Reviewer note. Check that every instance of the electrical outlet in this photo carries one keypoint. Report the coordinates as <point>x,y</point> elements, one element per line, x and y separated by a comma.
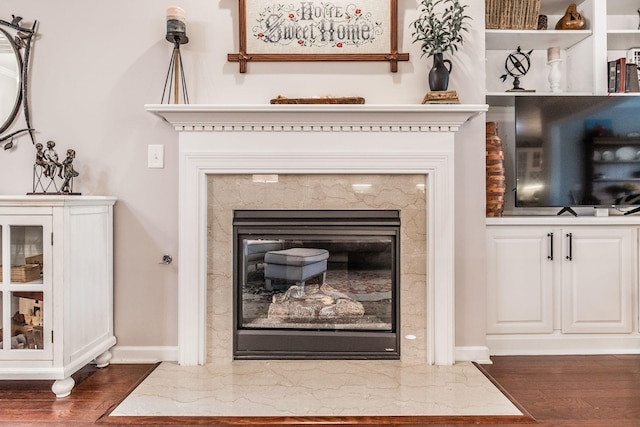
<point>155,156</point>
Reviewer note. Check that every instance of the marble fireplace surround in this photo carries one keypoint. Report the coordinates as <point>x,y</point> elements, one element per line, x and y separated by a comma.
<point>311,140</point>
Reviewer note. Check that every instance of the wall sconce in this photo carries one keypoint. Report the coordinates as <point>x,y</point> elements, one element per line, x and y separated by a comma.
<point>176,34</point>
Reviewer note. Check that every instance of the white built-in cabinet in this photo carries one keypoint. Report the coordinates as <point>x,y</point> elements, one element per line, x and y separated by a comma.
<point>562,285</point>
<point>612,29</point>
<point>599,279</point>
<point>520,280</point>
<point>56,286</point>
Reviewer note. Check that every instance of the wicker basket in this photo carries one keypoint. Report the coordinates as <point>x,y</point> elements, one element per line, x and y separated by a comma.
<point>512,14</point>
<point>23,273</point>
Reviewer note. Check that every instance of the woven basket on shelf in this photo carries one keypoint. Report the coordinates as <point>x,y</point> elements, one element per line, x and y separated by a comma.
<point>512,14</point>
<point>23,273</point>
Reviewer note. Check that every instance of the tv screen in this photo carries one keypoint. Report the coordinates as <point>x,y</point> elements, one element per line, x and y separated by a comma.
<point>577,151</point>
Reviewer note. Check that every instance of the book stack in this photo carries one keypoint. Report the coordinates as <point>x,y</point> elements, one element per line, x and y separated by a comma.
<point>441,97</point>
<point>623,76</point>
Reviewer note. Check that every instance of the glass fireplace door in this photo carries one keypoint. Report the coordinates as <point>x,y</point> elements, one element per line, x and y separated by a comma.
<point>325,286</point>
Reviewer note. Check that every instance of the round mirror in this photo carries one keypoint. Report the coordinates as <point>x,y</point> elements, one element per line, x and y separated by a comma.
<point>10,80</point>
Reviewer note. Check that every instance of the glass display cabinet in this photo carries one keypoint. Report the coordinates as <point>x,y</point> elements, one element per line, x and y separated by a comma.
<point>24,287</point>
<point>56,286</point>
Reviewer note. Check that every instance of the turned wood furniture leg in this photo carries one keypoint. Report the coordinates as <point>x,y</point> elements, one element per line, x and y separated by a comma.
<point>62,388</point>
<point>103,360</point>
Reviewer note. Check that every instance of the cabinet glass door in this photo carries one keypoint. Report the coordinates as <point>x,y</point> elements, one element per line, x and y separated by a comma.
<point>25,288</point>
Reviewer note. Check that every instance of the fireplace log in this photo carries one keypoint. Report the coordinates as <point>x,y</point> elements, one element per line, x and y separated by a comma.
<point>317,302</point>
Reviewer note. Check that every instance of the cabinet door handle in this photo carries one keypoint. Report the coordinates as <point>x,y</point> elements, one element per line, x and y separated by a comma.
<point>550,256</point>
<point>570,237</point>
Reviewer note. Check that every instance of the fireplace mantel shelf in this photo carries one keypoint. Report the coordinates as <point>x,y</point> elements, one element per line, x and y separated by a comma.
<point>196,117</point>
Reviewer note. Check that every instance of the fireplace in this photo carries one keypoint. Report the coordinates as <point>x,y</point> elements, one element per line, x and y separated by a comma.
<point>220,144</point>
<point>316,284</point>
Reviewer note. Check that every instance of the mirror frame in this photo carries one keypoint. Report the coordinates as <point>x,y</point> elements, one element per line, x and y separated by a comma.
<point>14,111</point>
<point>20,39</point>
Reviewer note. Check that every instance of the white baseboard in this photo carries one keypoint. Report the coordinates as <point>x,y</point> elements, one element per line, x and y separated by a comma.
<point>478,354</point>
<point>144,354</point>
<point>563,344</point>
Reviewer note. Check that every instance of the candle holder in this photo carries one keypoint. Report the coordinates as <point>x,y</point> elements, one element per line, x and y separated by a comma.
<point>554,60</point>
<point>555,75</point>
<point>176,34</point>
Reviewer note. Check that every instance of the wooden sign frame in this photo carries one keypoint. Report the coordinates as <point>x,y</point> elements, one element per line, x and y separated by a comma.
<point>340,30</point>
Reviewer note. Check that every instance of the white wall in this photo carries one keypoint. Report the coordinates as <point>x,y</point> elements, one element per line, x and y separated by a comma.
<point>96,63</point>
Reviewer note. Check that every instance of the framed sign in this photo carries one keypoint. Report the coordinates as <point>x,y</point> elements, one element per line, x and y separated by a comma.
<point>339,30</point>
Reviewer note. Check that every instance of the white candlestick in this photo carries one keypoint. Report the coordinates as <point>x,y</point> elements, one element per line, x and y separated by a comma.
<point>555,75</point>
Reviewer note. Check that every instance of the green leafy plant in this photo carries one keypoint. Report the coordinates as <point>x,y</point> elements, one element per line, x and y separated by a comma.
<point>440,26</point>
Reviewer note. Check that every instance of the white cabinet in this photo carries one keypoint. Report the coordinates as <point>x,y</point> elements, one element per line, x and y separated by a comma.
<point>561,289</point>
<point>612,29</point>
<point>598,279</point>
<point>56,286</point>
<point>520,280</point>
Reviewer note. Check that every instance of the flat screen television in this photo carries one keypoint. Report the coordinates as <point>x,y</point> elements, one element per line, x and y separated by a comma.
<point>576,151</point>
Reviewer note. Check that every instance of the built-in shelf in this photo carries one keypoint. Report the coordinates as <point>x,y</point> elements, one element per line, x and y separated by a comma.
<point>507,99</point>
<point>533,39</point>
<point>623,39</point>
<point>612,28</point>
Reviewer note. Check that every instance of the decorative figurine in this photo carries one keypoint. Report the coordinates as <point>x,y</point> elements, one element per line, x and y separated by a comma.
<point>39,155</point>
<point>51,160</point>
<point>517,65</point>
<point>572,19</point>
<point>47,170</point>
<point>68,172</point>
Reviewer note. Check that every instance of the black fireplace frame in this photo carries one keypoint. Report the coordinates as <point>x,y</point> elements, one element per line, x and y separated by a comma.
<point>308,343</point>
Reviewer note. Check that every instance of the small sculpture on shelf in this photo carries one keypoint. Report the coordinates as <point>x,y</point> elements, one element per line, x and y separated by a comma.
<point>68,172</point>
<point>517,65</point>
<point>48,171</point>
<point>50,159</point>
<point>572,19</point>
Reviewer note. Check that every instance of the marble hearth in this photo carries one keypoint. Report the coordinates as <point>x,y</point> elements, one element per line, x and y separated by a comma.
<point>321,150</point>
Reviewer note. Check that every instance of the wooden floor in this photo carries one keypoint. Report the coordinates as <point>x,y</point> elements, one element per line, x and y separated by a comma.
<point>555,390</point>
<point>573,390</point>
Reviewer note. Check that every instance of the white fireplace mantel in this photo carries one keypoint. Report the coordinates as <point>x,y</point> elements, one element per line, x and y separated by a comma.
<point>434,117</point>
<point>312,139</point>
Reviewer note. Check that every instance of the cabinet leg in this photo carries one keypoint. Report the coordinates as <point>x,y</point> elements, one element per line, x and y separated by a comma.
<point>62,388</point>
<point>103,360</point>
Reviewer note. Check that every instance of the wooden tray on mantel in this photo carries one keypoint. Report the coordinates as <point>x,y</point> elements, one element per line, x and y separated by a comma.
<point>323,100</point>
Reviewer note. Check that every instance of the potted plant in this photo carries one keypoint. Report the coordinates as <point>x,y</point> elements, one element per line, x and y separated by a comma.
<point>439,28</point>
